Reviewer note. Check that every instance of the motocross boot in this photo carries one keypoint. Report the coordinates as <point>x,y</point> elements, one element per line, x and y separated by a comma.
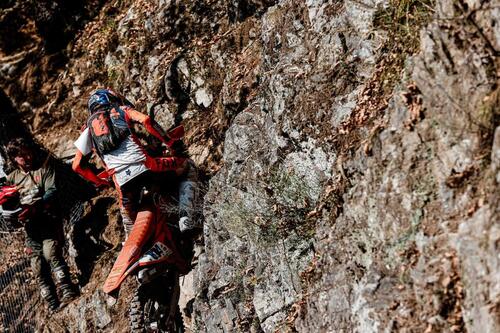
<point>64,284</point>
<point>49,295</point>
<point>188,190</point>
<point>186,224</point>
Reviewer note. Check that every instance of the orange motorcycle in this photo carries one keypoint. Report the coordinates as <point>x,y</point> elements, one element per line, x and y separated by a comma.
<point>156,255</point>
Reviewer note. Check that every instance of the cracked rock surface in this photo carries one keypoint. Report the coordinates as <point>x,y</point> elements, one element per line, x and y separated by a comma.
<point>350,151</point>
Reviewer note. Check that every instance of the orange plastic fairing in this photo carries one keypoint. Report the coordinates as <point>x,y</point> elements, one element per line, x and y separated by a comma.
<point>131,250</point>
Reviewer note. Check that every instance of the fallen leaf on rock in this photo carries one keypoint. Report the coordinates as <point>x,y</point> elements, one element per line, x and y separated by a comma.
<point>446,281</point>
<point>312,213</point>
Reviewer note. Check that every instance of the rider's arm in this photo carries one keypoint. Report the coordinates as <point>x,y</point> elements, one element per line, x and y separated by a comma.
<point>83,151</point>
<point>149,124</point>
<point>85,172</point>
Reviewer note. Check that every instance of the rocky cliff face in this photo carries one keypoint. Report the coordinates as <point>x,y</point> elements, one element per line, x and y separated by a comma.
<point>352,147</point>
<point>348,203</point>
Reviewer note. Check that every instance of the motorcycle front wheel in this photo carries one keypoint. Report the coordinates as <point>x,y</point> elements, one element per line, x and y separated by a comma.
<point>154,307</point>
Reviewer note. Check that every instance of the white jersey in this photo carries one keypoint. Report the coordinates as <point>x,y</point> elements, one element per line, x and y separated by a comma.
<point>126,161</point>
<point>2,173</point>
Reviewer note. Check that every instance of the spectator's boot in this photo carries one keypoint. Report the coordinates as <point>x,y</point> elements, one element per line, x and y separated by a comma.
<point>49,295</point>
<point>64,284</point>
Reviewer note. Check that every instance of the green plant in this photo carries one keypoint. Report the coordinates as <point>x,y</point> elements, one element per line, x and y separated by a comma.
<point>268,216</point>
<point>112,74</point>
<point>110,25</point>
<point>292,198</point>
<point>237,217</point>
<point>290,189</point>
<point>402,20</point>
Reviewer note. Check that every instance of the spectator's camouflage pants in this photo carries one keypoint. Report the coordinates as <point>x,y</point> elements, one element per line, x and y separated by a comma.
<point>43,242</point>
<point>48,251</point>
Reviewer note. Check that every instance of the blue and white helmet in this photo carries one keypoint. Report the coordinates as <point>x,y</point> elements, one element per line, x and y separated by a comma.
<point>101,98</point>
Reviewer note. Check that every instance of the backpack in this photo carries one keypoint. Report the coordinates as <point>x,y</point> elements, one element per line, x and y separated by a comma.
<point>108,128</point>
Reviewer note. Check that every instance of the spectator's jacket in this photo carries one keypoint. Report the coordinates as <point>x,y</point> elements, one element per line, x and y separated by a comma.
<point>35,185</point>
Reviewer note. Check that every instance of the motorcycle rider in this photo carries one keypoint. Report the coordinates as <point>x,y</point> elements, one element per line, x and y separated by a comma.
<point>34,178</point>
<point>108,132</point>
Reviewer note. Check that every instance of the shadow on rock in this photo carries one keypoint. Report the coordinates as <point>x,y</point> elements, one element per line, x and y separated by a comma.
<point>87,237</point>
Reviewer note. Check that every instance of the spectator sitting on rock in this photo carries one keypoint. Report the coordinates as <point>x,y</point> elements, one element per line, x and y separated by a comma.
<point>34,178</point>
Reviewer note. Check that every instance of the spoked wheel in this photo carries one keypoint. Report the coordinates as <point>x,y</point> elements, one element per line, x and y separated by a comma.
<point>154,307</point>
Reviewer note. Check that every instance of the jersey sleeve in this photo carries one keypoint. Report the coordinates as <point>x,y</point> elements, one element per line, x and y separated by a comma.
<point>84,142</point>
<point>150,125</point>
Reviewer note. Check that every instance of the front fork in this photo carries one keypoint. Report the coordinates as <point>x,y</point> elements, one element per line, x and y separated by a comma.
<point>150,273</point>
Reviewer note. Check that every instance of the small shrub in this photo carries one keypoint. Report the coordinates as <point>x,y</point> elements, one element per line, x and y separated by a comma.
<point>402,20</point>
<point>270,215</point>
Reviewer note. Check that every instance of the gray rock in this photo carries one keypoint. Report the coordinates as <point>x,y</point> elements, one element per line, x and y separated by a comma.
<point>102,316</point>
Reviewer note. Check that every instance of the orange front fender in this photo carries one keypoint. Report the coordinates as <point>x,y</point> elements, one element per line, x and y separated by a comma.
<point>131,251</point>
